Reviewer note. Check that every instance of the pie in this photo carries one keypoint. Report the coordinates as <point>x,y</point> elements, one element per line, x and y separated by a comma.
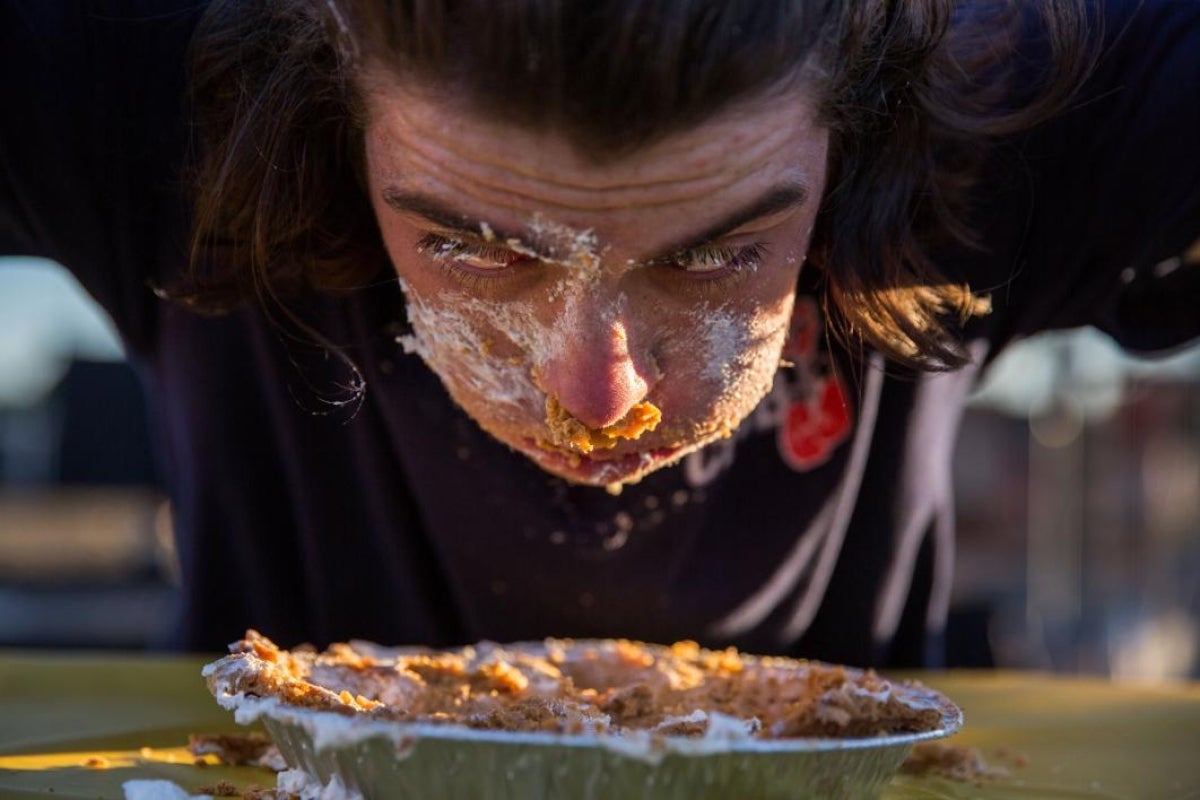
<point>568,687</point>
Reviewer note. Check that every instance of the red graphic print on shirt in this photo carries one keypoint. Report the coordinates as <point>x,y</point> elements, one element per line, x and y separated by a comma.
<point>814,427</point>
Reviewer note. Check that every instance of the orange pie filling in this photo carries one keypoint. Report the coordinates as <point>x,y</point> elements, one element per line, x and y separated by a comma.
<point>569,433</point>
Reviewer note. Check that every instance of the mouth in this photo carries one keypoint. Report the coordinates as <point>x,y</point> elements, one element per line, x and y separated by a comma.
<point>600,468</point>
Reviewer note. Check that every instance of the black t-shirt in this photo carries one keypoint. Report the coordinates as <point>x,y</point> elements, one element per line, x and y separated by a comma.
<point>823,528</point>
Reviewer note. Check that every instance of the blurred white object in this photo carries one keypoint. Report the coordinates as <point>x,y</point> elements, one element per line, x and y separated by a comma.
<point>1032,377</point>
<point>157,790</point>
<point>46,320</point>
<point>1159,648</point>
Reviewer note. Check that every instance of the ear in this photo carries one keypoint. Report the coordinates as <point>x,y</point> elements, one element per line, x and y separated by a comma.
<point>806,331</point>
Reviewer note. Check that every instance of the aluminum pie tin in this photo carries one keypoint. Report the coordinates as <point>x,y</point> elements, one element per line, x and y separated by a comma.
<point>394,760</point>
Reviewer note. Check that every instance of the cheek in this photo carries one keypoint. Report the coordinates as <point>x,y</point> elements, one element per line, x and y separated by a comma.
<point>723,361</point>
<point>478,353</point>
<point>475,348</point>
<point>487,351</point>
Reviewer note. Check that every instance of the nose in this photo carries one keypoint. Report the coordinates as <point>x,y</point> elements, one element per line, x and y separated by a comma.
<point>596,376</point>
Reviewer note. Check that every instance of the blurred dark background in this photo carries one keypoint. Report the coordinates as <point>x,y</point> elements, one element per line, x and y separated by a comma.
<point>1078,479</point>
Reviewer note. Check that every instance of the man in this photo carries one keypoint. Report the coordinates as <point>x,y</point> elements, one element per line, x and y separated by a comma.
<point>477,262</point>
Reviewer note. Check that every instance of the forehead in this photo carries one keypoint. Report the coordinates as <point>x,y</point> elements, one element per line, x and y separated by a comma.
<point>435,143</point>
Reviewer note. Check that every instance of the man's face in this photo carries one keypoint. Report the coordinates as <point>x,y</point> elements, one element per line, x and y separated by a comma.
<point>530,272</point>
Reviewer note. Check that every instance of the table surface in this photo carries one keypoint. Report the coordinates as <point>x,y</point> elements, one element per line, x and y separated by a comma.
<point>1081,739</point>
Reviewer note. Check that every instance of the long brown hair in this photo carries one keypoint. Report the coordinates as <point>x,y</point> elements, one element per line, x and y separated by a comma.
<point>912,91</point>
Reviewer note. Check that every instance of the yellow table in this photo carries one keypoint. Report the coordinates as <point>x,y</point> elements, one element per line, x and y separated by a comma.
<point>1084,739</point>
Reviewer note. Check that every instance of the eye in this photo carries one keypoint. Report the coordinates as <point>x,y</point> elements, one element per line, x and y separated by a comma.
<point>477,256</point>
<point>715,262</point>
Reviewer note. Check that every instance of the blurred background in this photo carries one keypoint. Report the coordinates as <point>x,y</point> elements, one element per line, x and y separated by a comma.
<point>1078,479</point>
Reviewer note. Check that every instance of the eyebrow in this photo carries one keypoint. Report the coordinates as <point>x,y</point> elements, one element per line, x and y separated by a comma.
<point>773,201</point>
<point>453,221</point>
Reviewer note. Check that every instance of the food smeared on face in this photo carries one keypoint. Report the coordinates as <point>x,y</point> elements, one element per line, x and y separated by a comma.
<point>566,431</point>
<point>602,318</point>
